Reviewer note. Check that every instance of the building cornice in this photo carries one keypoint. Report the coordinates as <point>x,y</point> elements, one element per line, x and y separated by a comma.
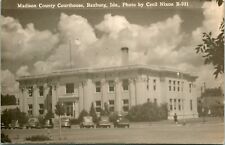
<point>91,70</point>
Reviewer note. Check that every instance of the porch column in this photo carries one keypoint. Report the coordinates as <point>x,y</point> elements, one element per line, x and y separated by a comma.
<point>132,92</point>
<point>118,95</point>
<point>81,96</point>
<point>35,104</point>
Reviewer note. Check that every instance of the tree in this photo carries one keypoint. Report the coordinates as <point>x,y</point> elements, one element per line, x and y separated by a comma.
<point>93,113</point>
<point>8,100</point>
<point>59,109</point>
<point>212,49</point>
<point>13,114</point>
<point>82,114</point>
<point>105,111</point>
<point>49,115</point>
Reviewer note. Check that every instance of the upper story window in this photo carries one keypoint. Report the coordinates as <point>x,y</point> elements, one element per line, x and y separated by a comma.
<point>70,88</point>
<point>41,91</point>
<point>30,91</point>
<point>190,87</point>
<point>50,91</point>
<point>154,84</point>
<point>111,102</point>
<point>169,85</point>
<point>111,86</point>
<point>125,85</point>
<point>98,86</point>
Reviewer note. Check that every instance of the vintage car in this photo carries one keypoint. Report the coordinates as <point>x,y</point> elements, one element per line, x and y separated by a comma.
<point>121,122</point>
<point>103,122</point>
<point>48,124</point>
<point>33,123</point>
<point>15,125</point>
<point>87,122</point>
<point>65,122</point>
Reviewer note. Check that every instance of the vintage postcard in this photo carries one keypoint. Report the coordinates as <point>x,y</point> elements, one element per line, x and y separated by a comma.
<point>112,71</point>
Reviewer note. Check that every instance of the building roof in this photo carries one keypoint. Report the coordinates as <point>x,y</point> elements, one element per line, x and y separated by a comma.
<point>91,70</point>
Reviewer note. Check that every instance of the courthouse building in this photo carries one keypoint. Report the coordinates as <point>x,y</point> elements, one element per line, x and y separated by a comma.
<point>121,87</point>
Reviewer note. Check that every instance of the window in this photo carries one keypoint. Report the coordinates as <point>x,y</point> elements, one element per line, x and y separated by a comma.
<point>171,104</point>
<point>69,88</point>
<point>30,91</point>
<point>125,108</point>
<point>148,100</point>
<point>41,91</point>
<point>125,101</point>
<point>175,104</point>
<point>125,105</point>
<point>169,85</point>
<point>190,87</point>
<point>179,106</point>
<point>111,102</point>
<point>50,91</point>
<point>154,84</point>
<point>41,109</point>
<point>155,101</point>
<point>111,86</point>
<point>98,86</point>
<point>147,85</point>
<point>111,105</point>
<point>191,105</point>
<point>98,106</point>
<point>125,85</point>
<point>30,109</point>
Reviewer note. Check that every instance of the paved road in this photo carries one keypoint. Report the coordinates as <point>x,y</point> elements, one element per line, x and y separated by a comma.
<point>157,133</point>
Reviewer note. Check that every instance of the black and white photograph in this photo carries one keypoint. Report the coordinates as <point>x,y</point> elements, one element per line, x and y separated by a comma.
<point>112,71</point>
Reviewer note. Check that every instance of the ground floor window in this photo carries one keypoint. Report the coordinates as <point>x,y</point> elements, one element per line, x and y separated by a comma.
<point>41,109</point>
<point>98,106</point>
<point>30,109</point>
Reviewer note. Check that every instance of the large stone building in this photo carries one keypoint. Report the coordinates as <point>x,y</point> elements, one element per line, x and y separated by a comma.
<point>121,87</point>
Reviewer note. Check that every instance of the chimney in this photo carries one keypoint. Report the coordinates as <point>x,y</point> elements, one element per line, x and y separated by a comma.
<point>124,56</point>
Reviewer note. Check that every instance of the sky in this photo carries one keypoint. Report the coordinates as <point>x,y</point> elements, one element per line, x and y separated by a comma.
<point>39,41</point>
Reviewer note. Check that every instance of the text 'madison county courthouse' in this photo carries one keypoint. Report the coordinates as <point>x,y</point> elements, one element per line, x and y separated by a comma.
<point>121,87</point>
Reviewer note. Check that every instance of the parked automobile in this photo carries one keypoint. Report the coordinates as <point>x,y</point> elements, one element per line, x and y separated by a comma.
<point>103,122</point>
<point>15,125</point>
<point>65,122</point>
<point>3,126</point>
<point>87,122</point>
<point>33,123</point>
<point>48,124</point>
<point>121,122</point>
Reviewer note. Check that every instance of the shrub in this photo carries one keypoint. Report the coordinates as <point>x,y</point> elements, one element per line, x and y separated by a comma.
<point>5,138</point>
<point>93,113</point>
<point>148,112</point>
<point>74,121</point>
<point>38,138</point>
<point>82,114</point>
<point>113,116</point>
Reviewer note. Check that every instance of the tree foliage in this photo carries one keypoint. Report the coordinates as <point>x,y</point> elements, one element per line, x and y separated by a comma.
<point>212,92</point>
<point>9,115</point>
<point>148,112</point>
<point>105,111</point>
<point>82,114</point>
<point>60,110</point>
<point>8,100</point>
<point>212,48</point>
<point>93,113</point>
